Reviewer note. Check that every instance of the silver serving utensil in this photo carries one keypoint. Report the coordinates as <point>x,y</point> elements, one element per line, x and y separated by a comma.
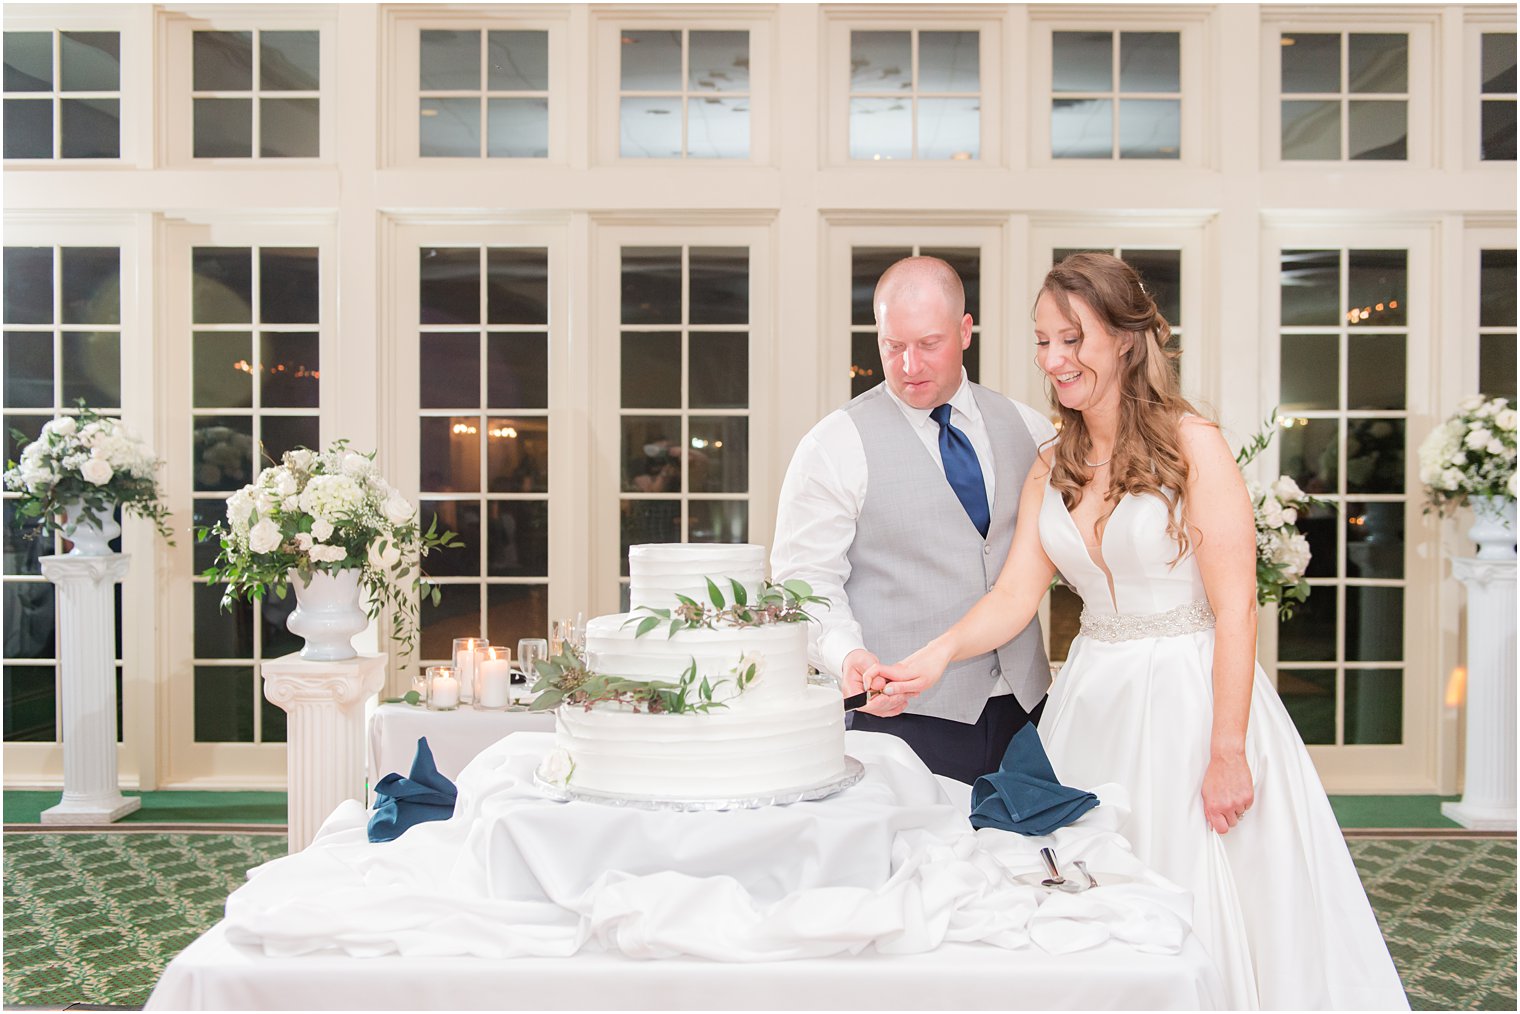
<point>1080,864</point>
<point>1055,879</point>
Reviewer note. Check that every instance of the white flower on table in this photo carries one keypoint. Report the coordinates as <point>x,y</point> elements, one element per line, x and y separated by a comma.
<point>321,529</point>
<point>557,767</point>
<point>264,537</point>
<point>97,471</point>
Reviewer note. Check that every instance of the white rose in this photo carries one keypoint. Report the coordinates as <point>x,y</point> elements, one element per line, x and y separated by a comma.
<point>1469,403</point>
<point>1271,513</point>
<point>290,504</point>
<point>264,537</point>
<point>385,558</point>
<point>303,541</point>
<point>239,508</point>
<point>557,767</point>
<point>398,510</point>
<point>1495,447</point>
<point>300,459</point>
<point>97,471</point>
<point>1451,479</point>
<point>284,483</point>
<point>1478,438</point>
<point>1504,419</point>
<point>64,426</point>
<point>1286,489</point>
<point>321,529</point>
<point>355,464</point>
<point>1290,515</point>
<point>1295,554</point>
<point>328,554</point>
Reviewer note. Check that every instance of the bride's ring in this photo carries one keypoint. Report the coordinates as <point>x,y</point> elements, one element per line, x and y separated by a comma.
<point>1239,814</point>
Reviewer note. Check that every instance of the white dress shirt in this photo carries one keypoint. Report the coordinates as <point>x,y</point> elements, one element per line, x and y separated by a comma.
<point>821,500</point>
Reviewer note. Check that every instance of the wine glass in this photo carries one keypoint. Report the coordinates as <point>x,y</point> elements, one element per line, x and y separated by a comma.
<point>531,650</point>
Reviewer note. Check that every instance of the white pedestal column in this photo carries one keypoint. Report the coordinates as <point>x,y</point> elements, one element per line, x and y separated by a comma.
<point>1488,793</point>
<point>87,658</point>
<point>324,735</point>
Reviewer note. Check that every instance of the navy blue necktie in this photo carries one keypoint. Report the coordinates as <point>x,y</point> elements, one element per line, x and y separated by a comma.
<point>963,470</point>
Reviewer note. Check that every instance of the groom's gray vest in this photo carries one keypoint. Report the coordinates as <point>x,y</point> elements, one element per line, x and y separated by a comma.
<point>918,563</point>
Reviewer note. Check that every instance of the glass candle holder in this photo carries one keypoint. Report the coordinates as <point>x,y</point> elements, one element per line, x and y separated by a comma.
<point>420,685</point>
<point>493,679</point>
<point>561,632</point>
<point>466,659</point>
<point>443,688</point>
<point>530,650</point>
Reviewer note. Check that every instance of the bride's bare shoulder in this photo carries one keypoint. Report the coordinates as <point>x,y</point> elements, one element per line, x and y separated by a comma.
<point>1046,454</point>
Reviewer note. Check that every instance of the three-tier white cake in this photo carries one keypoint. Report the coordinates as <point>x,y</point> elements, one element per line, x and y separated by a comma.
<point>778,734</point>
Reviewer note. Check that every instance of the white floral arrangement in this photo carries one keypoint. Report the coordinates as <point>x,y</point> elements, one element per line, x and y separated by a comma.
<point>1282,551</point>
<point>1472,454</point>
<point>91,460</point>
<point>327,512</point>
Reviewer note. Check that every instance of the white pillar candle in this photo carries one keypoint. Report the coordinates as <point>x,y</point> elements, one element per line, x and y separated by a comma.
<point>464,667</point>
<point>445,692</point>
<point>494,683</point>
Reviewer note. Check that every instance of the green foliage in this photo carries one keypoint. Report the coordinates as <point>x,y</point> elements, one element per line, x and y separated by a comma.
<point>786,602</point>
<point>565,679</point>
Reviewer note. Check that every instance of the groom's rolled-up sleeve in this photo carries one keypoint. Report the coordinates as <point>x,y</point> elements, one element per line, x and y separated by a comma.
<point>815,527</point>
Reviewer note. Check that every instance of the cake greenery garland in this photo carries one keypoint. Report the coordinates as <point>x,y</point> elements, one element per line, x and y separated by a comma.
<point>779,602</point>
<point>567,679</point>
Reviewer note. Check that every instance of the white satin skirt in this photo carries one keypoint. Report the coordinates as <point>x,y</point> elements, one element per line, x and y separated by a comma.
<point>1277,900</point>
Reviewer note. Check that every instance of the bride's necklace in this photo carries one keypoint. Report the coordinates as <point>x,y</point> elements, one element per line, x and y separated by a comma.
<point>1097,464</point>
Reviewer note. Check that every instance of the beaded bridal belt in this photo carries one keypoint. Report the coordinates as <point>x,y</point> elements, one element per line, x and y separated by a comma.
<point>1188,619</point>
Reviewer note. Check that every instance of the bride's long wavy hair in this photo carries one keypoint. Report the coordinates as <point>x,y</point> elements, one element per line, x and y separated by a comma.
<point>1147,455</point>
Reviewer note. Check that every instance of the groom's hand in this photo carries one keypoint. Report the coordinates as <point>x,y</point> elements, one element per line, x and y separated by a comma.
<point>852,671</point>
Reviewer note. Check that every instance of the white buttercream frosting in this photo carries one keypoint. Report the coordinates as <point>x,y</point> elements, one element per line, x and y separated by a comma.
<point>658,571</point>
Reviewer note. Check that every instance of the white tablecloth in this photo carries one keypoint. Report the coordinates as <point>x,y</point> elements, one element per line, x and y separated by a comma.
<point>455,737</point>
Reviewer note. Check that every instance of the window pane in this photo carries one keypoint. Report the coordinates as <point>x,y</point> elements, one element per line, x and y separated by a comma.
<point>28,369</point>
<point>221,633</point>
<point>1374,624</point>
<point>719,454</point>
<point>1378,282</point>
<point>1496,365</point>
<point>645,521</point>
<point>718,371</point>
<point>31,702</point>
<point>30,428</point>
<point>651,279</point>
<point>223,452</point>
<point>281,433</point>
<point>717,128</point>
<point>448,371</point>
<point>457,614</point>
<point>718,521</point>
<point>719,61</point>
<point>290,128</point>
<point>1375,540</point>
<point>517,539</point>
<point>1308,453</point>
<point>1310,286</point>
<point>719,289</point>
<point>517,371</point>
<point>1379,130</point>
<point>516,611</point>
<point>462,517</point>
<point>89,61</point>
<point>89,128</point>
<point>223,61</point>
<point>517,61</point>
<point>651,60</point>
<point>1310,371</point>
<point>1150,128</point>
<point>223,128</point>
<point>29,624</point>
<point>450,128</point>
<point>206,513</point>
<point>1309,635</point>
<point>221,365</point>
<point>288,285</point>
<point>1378,63</point>
<point>91,285</point>
<point>1161,273</point>
<point>651,370</point>
<point>651,128</point>
<point>290,61</point>
<point>1082,61</point>
<point>1498,63</point>
<point>1375,371</point>
<point>1374,705</point>
<point>517,128</point>
<point>1150,62</point>
<point>29,61</point>
<point>881,61</point>
<point>223,285</point>
<point>652,456</point>
<point>450,61</point>
<point>28,285</point>
<point>1375,456</point>
<point>517,285</point>
<point>1309,696</point>
<point>949,128</point>
<point>866,266</point>
<point>450,455</point>
<point>1321,526</point>
<point>517,455</point>
<point>450,282</point>
<point>28,128</point>
<point>292,367</point>
<point>865,363</point>
<point>1498,130</point>
<point>881,128</point>
<point>275,721</point>
<point>1311,62</point>
<point>1311,130</point>
<point>1082,128</point>
<point>224,704</point>
<point>92,368</point>
<point>25,542</point>
<point>949,61</point>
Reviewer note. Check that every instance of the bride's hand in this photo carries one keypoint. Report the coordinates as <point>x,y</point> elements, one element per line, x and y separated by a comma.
<point>1227,791</point>
<point>913,675</point>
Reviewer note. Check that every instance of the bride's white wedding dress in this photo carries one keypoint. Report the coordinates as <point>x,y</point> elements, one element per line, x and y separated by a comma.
<point>1277,901</point>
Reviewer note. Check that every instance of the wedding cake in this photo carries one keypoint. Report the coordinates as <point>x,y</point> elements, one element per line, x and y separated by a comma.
<point>757,726</point>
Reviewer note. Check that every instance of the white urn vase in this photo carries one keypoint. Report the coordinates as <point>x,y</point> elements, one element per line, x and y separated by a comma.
<point>327,614</point>
<point>1493,527</point>
<point>91,533</point>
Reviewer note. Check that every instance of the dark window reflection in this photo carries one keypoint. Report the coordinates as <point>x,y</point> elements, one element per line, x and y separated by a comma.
<point>89,128</point>
<point>652,455</point>
<point>28,128</point>
<point>1375,456</point>
<point>645,521</point>
<point>1375,371</point>
<point>28,284</point>
<point>866,267</point>
<point>517,538</point>
<point>1310,286</point>
<point>516,611</point>
<point>517,371</point>
<point>223,452</point>
<point>29,620</point>
<point>450,454</point>
<point>718,521</point>
<point>718,370</point>
<point>222,368</point>
<point>1375,540</point>
<point>1161,273</point>
<point>281,433</point>
<point>291,363</point>
<point>1498,130</point>
<point>221,633</point>
<point>1496,365</point>
<point>448,370</point>
<point>450,280</point>
<point>967,262</point>
<point>25,542</point>
<point>1309,635</point>
<point>1375,706</point>
<point>273,614</point>
<point>1309,696</point>
<point>719,454</point>
<point>31,702</point>
<point>517,285</point>
<point>1378,283</point>
<point>223,285</point>
<point>92,368</point>
<point>1496,289</point>
<point>719,285</point>
<point>224,698</point>
<point>29,369</point>
<point>1310,372</point>
<point>457,614</point>
<point>651,369</point>
<point>1308,452</point>
<point>1374,624</point>
<point>461,517</point>
<point>91,285</point>
<point>207,513</point>
<point>651,285</point>
<point>865,362</point>
<point>222,61</point>
<point>1320,525</point>
<point>517,454</point>
<point>289,286</point>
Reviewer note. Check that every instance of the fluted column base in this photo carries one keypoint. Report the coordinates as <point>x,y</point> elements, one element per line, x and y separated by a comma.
<point>324,735</point>
<point>1488,789</point>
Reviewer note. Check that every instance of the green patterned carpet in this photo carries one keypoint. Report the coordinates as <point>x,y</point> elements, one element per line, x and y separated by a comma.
<point>94,918</point>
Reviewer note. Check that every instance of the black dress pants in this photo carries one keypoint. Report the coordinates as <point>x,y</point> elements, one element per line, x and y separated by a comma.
<point>955,749</point>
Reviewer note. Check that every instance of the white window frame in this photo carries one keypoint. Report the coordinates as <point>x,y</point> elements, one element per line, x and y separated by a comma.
<point>1479,22</point>
<point>605,79</point>
<point>1197,102</point>
<point>1414,763</point>
<point>176,141</point>
<point>991,25</point>
<point>1421,139</point>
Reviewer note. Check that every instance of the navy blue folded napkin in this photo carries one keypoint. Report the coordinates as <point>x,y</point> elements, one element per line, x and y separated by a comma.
<point>402,802</point>
<point>1022,795</point>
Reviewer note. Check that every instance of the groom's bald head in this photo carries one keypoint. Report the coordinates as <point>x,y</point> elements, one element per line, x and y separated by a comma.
<point>918,278</point>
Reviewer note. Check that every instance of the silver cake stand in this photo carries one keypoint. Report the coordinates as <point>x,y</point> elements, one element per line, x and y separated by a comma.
<point>853,772</point>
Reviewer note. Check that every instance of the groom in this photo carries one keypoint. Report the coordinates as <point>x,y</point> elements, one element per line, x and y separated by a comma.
<point>900,508</point>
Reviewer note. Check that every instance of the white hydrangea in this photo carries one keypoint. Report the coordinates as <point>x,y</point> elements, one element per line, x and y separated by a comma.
<point>1294,553</point>
<point>1470,454</point>
<point>331,496</point>
<point>264,537</point>
<point>356,465</point>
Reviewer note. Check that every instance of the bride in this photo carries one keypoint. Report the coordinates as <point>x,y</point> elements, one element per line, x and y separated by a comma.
<point>1141,508</point>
